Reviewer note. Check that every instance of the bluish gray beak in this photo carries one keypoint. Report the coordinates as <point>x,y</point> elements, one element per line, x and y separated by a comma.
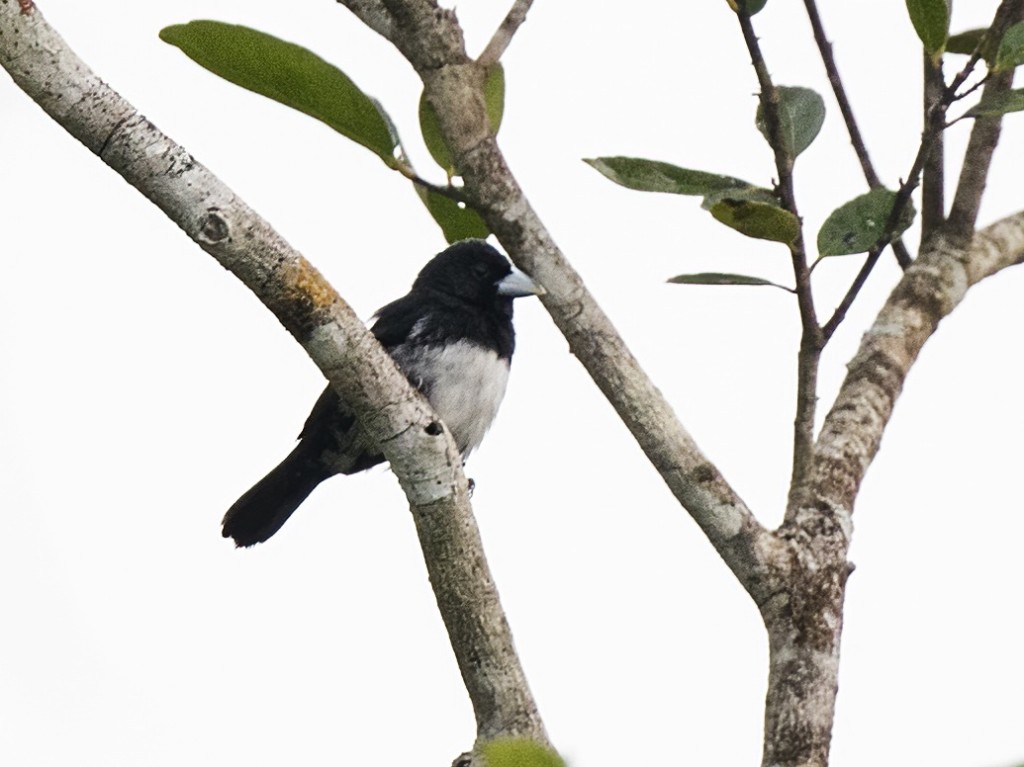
<point>519,284</point>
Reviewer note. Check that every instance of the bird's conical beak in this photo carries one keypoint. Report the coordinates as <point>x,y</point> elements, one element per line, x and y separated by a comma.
<point>519,284</point>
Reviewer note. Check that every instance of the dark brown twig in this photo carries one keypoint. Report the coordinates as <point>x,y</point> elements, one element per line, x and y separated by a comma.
<point>809,354</point>
<point>963,213</point>
<point>933,178</point>
<point>892,223</point>
<point>845,108</point>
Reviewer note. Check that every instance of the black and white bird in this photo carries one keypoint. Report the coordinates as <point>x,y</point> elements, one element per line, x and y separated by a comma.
<point>451,335</point>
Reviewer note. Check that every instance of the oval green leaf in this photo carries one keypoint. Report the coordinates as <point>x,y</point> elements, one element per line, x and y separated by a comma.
<point>430,127</point>
<point>760,220</point>
<point>653,176</point>
<point>996,104</point>
<point>722,278</point>
<point>801,115</point>
<point>931,22</point>
<point>856,226</point>
<point>457,220</point>
<point>750,6</point>
<point>966,42</point>
<point>1011,49</point>
<point>519,752</point>
<point>288,74</point>
<point>749,194</point>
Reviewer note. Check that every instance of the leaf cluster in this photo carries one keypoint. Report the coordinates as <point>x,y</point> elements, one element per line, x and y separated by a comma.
<point>298,78</point>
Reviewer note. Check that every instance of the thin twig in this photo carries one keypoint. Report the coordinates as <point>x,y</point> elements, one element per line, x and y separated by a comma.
<point>899,205</point>
<point>503,35</point>
<point>809,354</point>
<point>977,168</point>
<point>933,179</point>
<point>449,191</point>
<point>839,91</point>
<point>963,214</point>
<point>856,138</point>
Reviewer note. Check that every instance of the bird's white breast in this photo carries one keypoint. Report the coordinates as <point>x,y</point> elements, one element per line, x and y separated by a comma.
<point>465,384</point>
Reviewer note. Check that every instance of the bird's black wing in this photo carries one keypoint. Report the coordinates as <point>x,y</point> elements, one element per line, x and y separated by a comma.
<point>397,322</point>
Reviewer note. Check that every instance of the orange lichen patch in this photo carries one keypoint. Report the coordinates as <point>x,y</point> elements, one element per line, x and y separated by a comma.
<point>310,282</point>
<point>27,6</point>
<point>305,298</point>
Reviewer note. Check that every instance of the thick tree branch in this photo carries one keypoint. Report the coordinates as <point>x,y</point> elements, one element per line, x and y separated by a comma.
<point>804,617</point>
<point>929,291</point>
<point>425,460</point>
<point>432,42</point>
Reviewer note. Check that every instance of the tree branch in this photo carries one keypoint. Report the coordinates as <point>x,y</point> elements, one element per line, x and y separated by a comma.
<point>809,355</point>
<point>899,205</point>
<point>504,33</point>
<point>963,213</point>
<point>391,413</point>
<point>928,292</point>
<point>846,109</point>
<point>454,88</point>
<point>933,177</point>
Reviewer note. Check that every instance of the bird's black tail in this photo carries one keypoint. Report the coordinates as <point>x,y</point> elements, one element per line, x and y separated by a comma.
<point>266,506</point>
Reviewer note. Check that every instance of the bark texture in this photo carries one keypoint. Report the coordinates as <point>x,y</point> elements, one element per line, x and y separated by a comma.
<point>796,574</point>
<point>424,458</point>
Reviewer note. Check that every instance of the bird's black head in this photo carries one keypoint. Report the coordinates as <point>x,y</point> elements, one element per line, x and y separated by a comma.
<point>474,272</point>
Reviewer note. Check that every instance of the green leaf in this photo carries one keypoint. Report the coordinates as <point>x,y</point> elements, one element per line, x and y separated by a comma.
<point>721,278</point>
<point>997,104</point>
<point>966,42</point>
<point>750,6</point>
<point>430,129</point>
<point>430,126</point>
<point>1011,49</point>
<point>801,115</point>
<point>761,220</point>
<point>494,96</point>
<point>288,74</point>
<point>856,226</point>
<point>457,220</point>
<point>653,176</point>
<point>931,22</point>
<point>519,752</point>
<point>748,194</point>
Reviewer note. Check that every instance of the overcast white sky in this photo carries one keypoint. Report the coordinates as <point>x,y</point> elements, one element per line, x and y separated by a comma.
<point>142,389</point>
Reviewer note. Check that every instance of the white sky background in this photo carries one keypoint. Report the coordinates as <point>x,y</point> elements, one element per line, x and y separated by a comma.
<point>142,389</point>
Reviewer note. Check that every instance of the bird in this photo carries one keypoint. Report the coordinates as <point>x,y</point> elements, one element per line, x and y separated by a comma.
<point>452,337</point>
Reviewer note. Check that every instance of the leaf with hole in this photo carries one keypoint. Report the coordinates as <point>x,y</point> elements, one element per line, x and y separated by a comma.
<point>457,220</point>
<point>748,194</point>
<point>801,115</point>
<point>722,278</point>
<point>858,225</point>
<point>931,22</point>
<point>288,74</point>
<point>654,176</point>
<point>760,220</point>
